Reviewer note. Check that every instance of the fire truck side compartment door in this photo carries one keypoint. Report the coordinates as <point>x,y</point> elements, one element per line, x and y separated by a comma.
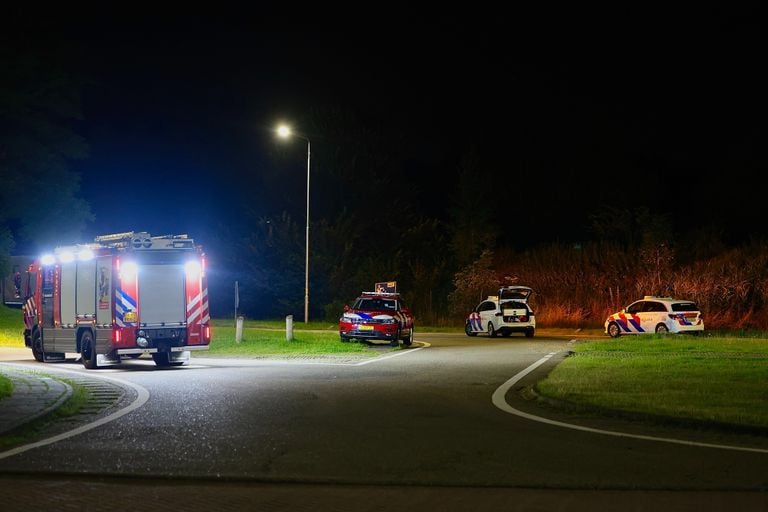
<point>86,287</point>
<point>68,278</point>
<point>161,294</point>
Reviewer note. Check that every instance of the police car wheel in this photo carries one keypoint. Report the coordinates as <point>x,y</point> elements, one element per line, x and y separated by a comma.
<point>394,342</point>
<point>409,340</point>
<point>468,330</point>
<point>491,330</point>
<point>661,329</point>
<point>614,331</point>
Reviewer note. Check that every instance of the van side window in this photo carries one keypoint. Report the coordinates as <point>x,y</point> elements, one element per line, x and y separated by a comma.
<point>30,284</point>
<point>47,281</point>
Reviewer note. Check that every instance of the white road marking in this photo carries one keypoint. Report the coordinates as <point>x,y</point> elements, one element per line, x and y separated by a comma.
<point>394,354</point>
<point>499,400</point>
<point>141,399</point>
<point>298,362</point>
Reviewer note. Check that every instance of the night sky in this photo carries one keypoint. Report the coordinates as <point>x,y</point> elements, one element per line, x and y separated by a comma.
<point>567,114</point>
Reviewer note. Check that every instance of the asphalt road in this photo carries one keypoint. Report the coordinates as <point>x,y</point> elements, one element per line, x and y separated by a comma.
<point>420,428</point>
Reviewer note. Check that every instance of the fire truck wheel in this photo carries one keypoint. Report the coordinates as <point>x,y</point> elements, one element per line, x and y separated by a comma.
<point>88,351</point>
<point>37,346</point>
<point>162,359</point>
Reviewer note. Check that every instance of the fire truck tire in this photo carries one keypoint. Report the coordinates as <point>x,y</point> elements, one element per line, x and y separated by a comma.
<point>162,359</point>
<point>37,346</point>
<point>88,351</point>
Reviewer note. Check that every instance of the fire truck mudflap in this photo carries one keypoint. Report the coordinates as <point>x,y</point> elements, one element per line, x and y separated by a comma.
<point>122,296</point>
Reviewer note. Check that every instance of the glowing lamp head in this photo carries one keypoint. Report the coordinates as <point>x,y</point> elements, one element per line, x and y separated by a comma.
<point>283,131</point>
<point>85,254</point>
<point>66,257</point>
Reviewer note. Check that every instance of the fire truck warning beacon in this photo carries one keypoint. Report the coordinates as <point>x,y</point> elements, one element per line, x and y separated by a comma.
<point>124,295</point>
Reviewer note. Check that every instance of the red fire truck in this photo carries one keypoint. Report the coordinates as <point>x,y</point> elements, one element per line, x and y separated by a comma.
<point>123,295</point>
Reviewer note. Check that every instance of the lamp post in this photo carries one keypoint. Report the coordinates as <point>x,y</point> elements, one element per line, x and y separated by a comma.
<point>285,132</point>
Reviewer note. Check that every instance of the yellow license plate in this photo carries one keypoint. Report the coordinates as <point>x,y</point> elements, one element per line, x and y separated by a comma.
<point>365,328</point>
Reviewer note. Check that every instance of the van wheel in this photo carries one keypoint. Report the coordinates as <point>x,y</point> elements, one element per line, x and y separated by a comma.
<point>491,330</point>
<point>661,329</point>
<point>614,331</point>
<point>88,351</point>
<point>37,346</point>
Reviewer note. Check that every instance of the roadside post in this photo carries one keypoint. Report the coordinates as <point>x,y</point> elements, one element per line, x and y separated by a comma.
<point>289,327</point>
<point>239,329</point>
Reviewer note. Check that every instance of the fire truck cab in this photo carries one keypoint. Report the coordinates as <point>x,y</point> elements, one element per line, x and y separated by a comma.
<point>124,295</point>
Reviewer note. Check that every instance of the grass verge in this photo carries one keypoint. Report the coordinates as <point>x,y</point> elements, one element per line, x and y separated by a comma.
<point>264,343</point>
<point>694,378</point>
<point>11,327</point>
<point>31,431</point>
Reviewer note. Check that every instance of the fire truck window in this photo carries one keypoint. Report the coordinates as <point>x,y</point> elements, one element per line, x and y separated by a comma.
<point>48,282</point>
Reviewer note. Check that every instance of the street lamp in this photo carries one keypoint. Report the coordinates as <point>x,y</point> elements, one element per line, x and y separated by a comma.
<point>285,132</point>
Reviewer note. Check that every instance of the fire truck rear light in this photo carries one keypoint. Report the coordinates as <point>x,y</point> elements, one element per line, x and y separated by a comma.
<point>207,333</point>
<point>192,268</point>
<point>128,270</point>
<point>116,335</point>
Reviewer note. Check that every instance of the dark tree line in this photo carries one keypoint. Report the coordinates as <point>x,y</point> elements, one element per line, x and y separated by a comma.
<point>40,104</point>
<point>567,196</point>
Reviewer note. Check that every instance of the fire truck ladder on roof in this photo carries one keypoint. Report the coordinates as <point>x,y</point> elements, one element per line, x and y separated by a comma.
<point>141,240</point>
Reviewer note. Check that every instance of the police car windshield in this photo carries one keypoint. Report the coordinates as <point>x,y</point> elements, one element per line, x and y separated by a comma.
<point>366,304</point>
